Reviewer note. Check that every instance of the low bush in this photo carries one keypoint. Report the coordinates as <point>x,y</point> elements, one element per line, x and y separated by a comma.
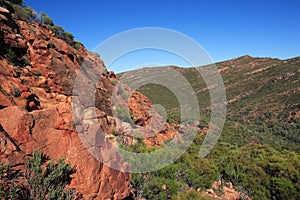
<point>44,180</point>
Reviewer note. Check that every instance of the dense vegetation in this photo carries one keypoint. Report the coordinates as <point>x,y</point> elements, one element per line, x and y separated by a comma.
<point>257,170</point>
<point>259,148</point>
<point>42,179</point>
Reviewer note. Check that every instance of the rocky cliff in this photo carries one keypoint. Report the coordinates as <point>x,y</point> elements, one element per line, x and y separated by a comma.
<point>37,71</point>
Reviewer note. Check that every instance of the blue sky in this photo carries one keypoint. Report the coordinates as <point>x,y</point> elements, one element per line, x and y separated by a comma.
<point>226,29</point>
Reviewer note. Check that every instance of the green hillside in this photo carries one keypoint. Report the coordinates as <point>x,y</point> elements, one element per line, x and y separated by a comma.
<point>258,150</point>
<point>262,93</point>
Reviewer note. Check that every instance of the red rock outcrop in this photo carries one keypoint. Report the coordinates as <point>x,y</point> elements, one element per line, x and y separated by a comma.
<point>37,76</point>
<point>36,82</point>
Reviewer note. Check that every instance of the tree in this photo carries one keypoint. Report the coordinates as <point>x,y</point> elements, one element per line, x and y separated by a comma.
<point>25,13</point>
<point>29,13</point>
<point>67,37</point>
<point>57,30</point>
<point>45,19</point>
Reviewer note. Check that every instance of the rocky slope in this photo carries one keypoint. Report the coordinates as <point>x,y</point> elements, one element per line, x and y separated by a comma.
<point>37,72</point>
<point>36,85</point>
<point>257,87</point>
<point>37,76</point>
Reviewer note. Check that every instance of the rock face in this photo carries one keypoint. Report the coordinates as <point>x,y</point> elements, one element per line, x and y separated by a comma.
<point>39,84</point>
<point>37,72</point>
<point>145,121</point>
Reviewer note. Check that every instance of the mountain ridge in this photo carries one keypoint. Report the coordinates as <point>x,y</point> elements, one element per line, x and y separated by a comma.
<point>257,89</point>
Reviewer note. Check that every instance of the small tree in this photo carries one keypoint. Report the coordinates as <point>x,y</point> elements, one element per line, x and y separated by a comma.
<point>24,12</point>
<point>45,19</point>
<point>29,13</point>
<point>67,37</point>
<point>57,30</point>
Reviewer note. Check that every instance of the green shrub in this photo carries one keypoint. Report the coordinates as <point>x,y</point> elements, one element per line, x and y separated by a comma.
<point>18,11</point>
<point>8,188</point>
<point>113,82</point>
<point>51,182</point>
<point>43,18</point>
<point>16,59</point>
<point>123,114</point>
<point>43,181</point>
<point>160,188</point>
<point>28,13</point>
<point>67,37</point>
<point>283,189</point>
<point>138,147</point>
<point>188,171</point>
<point>114,132</point>
<point>56,30</point>
<point>11,55</point>
<point>173,117</point>
<point>60,33</point>
<point>138,182</point>
<point>77,45</point>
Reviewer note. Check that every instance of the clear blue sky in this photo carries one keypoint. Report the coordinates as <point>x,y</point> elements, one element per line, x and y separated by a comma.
<point>226,29</point>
